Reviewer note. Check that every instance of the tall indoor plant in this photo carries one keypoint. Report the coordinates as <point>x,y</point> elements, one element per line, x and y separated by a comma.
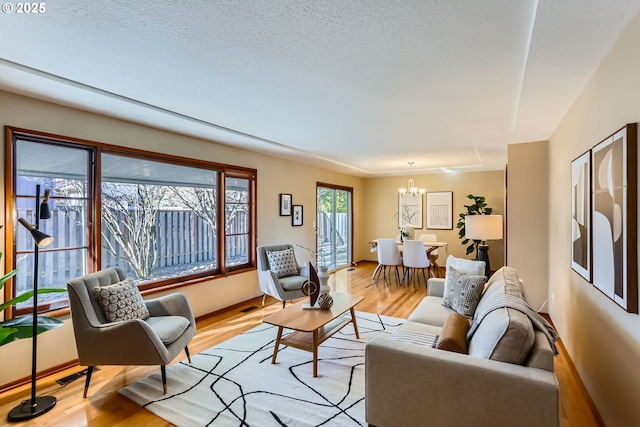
<point>478,207</point>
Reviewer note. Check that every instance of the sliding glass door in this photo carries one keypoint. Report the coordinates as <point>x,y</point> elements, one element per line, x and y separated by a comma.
<point>334,242</point>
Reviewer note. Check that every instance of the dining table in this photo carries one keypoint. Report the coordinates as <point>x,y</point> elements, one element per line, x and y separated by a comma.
<point>434,268</point>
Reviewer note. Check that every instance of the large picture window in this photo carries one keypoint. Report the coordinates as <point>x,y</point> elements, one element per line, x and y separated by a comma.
<point>155,216</point>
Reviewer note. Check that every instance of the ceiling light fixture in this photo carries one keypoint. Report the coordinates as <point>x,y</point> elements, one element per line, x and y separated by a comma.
<point>410,189</point>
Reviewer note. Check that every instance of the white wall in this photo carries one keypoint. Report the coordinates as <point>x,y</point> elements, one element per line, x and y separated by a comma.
<point>602,339</point>
<point>275,176</point>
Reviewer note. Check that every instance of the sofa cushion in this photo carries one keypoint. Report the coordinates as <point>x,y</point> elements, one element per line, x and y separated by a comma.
<point>462,291</point>
<point>469,266</point>
<point>504,334</point>
<point>283,263</point>
<point>293,283</point>
<point>121,301</point>
<point>430,311</point>
<point>168,328</point>
<point>453,336</point>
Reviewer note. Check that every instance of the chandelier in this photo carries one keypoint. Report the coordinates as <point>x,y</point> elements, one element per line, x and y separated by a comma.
<point>410,189</point>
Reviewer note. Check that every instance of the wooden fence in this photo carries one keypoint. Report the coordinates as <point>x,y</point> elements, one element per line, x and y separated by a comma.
<point>183,240</point>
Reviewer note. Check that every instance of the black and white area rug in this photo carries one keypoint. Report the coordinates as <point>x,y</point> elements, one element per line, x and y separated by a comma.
<point>235,384</point>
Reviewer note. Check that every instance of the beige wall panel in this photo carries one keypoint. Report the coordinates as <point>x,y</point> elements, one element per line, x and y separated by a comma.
<point>603,340</point>
<point>528,219</point>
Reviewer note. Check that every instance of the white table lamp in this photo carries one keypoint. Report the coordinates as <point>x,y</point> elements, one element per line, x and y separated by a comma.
<point>483,228</point>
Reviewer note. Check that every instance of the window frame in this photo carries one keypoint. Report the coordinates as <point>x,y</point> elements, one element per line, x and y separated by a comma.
<point>94,237</point>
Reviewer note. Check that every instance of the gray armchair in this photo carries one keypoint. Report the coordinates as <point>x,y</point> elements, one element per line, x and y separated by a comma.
<point>283,288</point>
<point>156,340</point>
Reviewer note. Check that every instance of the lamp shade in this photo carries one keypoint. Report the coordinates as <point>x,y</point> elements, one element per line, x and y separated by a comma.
<point>42,240</point>
<point>483,227</point>
<point>45,212</point>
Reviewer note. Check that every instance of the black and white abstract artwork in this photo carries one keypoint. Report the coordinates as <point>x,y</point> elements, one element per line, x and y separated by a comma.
<point>581,215</point>
<point>614,217</point>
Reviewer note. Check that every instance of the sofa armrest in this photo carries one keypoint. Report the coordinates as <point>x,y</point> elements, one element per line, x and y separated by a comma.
<point>435,286</point>
<point>411,385</point>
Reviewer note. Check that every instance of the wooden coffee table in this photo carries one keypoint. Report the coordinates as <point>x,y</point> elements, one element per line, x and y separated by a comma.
<point>313,327</point>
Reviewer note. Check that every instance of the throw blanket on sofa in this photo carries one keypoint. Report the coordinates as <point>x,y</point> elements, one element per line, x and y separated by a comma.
<point>516,303</point>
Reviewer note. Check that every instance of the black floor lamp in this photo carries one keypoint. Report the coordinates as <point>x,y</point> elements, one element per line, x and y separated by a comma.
<point>36,405</point>
<point>483,228</point>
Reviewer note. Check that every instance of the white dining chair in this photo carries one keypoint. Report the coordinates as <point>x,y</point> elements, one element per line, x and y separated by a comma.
<point>388,256</point>
<point>414,258</point>
<point>430,238</point>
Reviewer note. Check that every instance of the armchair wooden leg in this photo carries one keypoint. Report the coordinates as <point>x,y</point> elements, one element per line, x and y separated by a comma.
<point>163,369</point>
<point>284,303</point>
<point>87,381</point>
<point>263,298</point>
<point>186,350</point>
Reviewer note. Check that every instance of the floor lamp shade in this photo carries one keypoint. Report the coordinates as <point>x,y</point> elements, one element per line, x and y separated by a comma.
<point>483,228</point>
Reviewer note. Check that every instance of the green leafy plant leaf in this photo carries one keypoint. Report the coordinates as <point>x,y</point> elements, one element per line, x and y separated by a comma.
<point>22,327</point>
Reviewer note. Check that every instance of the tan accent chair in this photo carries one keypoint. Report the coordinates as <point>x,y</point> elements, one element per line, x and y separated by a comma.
<point>283,288</point>
<point>156,340</point>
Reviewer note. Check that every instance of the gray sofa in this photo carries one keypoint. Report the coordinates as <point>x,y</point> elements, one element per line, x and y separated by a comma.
<point>408,384</point>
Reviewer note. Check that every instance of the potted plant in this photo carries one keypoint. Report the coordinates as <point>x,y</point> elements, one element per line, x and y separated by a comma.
<point>22,326</point>
<point>478,207</point>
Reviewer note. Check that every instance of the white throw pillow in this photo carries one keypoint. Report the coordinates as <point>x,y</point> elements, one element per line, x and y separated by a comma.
<point>469,266</point>
<point>283,263</point>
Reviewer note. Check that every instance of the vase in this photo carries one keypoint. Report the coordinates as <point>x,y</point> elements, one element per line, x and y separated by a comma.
<point>323,277</point>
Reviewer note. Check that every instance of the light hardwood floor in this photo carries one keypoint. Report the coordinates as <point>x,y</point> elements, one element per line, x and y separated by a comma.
<point>105,407</point>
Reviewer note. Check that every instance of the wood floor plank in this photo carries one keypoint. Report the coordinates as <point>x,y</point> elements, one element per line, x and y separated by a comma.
<point>105,407</point>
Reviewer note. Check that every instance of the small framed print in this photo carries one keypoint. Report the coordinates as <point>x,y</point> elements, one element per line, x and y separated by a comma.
<point>285,204</point>
<point>440,210</point>
<point>296,217</point>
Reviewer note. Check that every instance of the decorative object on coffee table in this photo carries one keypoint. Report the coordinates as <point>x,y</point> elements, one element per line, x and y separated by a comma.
<point>311,289</point>
<point>325,301</point>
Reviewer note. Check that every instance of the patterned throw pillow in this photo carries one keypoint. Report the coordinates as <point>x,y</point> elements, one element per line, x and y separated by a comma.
<point>122,301</point>
<point>283,263</point>
<point>462,291</point>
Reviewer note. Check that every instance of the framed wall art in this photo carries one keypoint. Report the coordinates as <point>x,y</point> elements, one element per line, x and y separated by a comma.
<point>296,216</point>
<point>285,204</point>
<point>581,215</point>
<point>410,210</point>
<point>440,210</point>
<point>614,175</point>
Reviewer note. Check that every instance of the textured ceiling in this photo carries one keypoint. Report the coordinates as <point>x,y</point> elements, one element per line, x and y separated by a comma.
<point>361,86</point>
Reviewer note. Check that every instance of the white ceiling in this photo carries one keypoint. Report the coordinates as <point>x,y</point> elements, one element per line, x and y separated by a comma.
<point>359,86</point>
